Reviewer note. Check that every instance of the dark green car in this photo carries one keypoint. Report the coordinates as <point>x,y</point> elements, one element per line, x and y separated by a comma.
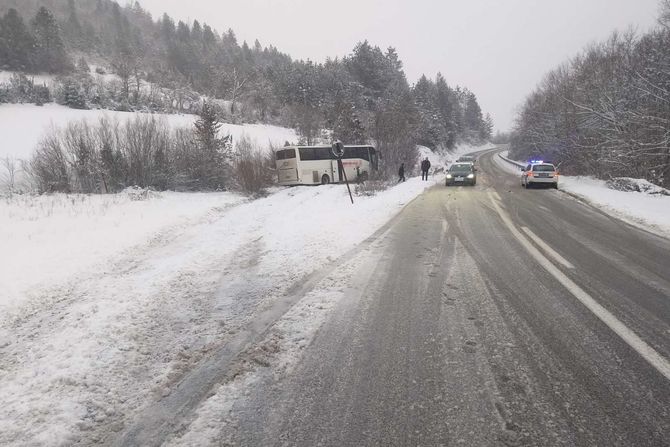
<point>461,174</point>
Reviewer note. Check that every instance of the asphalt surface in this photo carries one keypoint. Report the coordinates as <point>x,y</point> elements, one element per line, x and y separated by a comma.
<point>467,329</point>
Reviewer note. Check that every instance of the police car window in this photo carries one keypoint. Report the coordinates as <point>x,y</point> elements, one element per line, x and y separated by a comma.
<point>543,168</point>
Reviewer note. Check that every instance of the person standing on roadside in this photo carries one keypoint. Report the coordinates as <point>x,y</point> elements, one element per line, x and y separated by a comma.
<point>425,167</point>
<point>401,173</point>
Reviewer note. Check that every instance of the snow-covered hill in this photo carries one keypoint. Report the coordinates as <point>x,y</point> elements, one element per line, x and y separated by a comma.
<point>23,125</point>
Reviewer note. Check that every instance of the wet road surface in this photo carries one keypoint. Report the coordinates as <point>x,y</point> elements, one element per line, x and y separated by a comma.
<point>490,315</point>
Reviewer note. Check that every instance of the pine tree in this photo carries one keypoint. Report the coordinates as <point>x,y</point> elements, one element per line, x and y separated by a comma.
<point>348,126</point>
<point>472,115</point>
<point>215,155</point>
<point>73,31</point>
<point>72,97</point>
<point>487,130</point>
<point>51,55</point>
<point>430,132</point>
<point>447,104</point>
<point>17,45</point>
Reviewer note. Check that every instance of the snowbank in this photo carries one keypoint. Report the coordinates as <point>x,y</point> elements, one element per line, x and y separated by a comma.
<point>111,300</point>
<point>650,210</point>
<point>22,126</point>
<point>48,239</point>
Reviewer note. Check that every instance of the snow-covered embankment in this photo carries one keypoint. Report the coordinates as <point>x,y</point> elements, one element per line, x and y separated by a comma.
<point>108,301</point>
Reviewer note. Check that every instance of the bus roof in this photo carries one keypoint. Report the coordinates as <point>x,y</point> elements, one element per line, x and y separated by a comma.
<point>325,146</point>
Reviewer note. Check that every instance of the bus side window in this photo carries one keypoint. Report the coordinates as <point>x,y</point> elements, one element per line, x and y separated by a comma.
<point>324,154</point>
<point>307,154</point>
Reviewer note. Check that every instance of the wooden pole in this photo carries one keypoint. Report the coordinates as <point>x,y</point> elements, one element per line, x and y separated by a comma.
<point>341,166</point>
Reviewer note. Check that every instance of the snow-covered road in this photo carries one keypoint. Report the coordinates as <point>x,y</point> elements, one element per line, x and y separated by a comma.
<point>648,211</point>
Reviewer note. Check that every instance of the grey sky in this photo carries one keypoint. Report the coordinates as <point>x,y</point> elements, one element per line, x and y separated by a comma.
<point>500,49</point>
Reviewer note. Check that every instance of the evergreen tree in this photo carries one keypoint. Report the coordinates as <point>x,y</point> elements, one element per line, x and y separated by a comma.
<point>215,156</point>
<point>72,30</point>
<point>430,131</point>
<point>487,129</point>
<point>348,125</point>
<point>472,115</point>
<point>448,107</point>
<point>51,55</point>
<point>72,97</point>
<point>17,45</point>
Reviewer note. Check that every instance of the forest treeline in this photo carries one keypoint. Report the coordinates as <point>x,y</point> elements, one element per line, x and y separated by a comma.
<point>362,97</point>
<point>606,112</point>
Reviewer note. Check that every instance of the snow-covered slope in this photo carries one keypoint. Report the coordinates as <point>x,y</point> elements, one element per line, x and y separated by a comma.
<point>39,79</point>
<point>106,301</point>
<point>23,125</point>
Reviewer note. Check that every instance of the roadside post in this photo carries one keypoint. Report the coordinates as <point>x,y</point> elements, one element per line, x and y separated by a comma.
<point>338,152</point>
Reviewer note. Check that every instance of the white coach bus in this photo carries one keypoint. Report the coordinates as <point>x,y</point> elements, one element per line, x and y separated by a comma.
<point>314,165</point>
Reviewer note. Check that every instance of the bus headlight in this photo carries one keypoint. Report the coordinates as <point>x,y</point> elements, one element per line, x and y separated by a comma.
<point>471,176</point>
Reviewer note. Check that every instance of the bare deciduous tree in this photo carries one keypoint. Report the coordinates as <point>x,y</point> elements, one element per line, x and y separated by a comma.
<point>606,113</point>
<point>11,169</point>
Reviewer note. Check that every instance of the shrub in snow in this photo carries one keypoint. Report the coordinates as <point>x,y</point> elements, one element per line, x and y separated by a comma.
<point>635,185</point>
<point>253,169</point>
<point>144,151</point>
<point>370,188</point>
<point>136,194</point>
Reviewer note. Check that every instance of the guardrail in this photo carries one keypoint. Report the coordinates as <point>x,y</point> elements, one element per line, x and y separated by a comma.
<point>510,161</point>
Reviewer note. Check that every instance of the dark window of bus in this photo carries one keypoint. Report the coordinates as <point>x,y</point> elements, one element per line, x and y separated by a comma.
<point>315,153</point>
<point>285,154</point>
<point>357,152</point>
<point>306,154</point>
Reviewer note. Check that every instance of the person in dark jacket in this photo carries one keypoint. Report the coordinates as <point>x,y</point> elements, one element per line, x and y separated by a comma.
<point>425,167</point>
<point>401,173</point>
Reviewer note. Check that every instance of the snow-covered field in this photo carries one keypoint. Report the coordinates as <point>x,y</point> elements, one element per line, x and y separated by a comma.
<point>46,79</point>
<point>22,126</point>
<point>49,239</point>
<point>647,210</point>
<point>107,300</point>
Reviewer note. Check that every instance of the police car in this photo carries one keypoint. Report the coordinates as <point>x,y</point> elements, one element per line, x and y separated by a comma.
<point>539,172</point>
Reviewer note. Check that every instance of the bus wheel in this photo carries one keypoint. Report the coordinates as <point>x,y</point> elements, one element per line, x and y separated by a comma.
<point>363,177</point>
<point>325,179</point>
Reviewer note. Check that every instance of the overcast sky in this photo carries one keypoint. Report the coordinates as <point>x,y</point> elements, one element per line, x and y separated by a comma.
<point>500,49</point>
